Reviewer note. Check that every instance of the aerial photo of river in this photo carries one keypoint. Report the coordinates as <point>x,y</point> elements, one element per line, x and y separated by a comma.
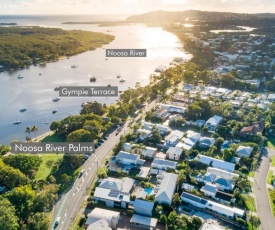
<point>35,90</point>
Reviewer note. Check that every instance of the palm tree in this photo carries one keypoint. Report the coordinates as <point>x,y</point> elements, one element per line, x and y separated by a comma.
<point>28,130</point>
<point>34,129</point>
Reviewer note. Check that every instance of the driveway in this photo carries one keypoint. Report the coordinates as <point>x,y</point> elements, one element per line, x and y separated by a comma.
<point>260,190</point>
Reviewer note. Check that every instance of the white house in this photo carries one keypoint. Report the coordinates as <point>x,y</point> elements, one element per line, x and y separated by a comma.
<point>271,98</point>
<point>98,214</point>
<point>174,153</point>
<point>166,188</point>
<point>215,207</point>
<point>216,163</point>
<point>149,152</point>
<point>127,147</point>
<point>209,190</point>
<point>244,151</point>
<point>149,126</point>
<point>189,141</point>
<point>124,185</point>
<point>162,164</point>
<point>111,198</point>
<point>143,207</point>
<point>127,158</point>
<point>143,134</point>
<point>174,108</point>
<point>173,138</point>
<point>144,222</point>
<point>213,123</point>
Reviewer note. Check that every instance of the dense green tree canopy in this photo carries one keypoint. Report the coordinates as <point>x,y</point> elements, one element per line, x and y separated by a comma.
<point>8,219</point>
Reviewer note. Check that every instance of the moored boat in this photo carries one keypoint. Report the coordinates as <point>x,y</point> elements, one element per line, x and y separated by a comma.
<point>23,109</point>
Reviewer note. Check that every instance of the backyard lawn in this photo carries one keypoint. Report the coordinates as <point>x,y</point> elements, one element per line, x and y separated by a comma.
<point>48,161</point>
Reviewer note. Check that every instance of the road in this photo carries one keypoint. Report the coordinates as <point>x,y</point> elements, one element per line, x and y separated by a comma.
<point>70,203</point>
<point>260,190</point>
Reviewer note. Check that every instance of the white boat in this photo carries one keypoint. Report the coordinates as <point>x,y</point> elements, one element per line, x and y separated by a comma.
<point>16,122</point>
<point>20,76</point>
<point>46,122</point>
<point>56,99</point>
<point>122,80</point>
<point>23,109</point>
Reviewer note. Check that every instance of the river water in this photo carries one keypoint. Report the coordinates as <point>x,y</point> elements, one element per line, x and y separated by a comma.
<point>35,90</point>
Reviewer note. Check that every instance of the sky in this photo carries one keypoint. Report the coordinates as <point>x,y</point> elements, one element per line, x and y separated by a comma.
<point>129,7</point>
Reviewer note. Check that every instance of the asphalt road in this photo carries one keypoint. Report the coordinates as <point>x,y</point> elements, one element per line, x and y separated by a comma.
<point>70,203</point>
<point>260,190</point>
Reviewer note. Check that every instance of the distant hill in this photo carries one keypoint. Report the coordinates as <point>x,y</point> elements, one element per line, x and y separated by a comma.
<point>183,16</point>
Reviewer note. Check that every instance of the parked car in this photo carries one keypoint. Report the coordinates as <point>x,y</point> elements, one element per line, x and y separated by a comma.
<point>57,221</point>
<point>116,133</point>
<point>81,172</point>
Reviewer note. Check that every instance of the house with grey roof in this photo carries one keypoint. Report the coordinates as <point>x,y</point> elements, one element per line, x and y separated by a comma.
<point>166,188</point>
<point>244,151</point>
<point>144,222</point>
<point>206,142</point>
<point>209,190</point>
<point>124,185</point>
<point>173,138</point>
<point>111,198</point>
<point>213,122</point>
<point>149,152</point>
<point>174,153</point>
<point>127,158</point>
<point>162,164</point>
<point>216,163</point>
<point>143,207</point>
<point>225,145</point>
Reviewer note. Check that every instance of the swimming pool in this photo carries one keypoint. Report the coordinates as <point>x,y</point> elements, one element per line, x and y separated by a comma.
<point>148,190</point>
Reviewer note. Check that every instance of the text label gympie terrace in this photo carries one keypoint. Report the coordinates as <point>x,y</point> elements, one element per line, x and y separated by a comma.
<point>82,91</point>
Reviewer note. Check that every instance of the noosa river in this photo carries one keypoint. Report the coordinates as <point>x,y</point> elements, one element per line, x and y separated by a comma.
<point>35,91</point>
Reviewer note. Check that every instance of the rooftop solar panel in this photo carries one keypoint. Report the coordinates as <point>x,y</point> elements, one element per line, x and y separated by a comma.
<point>113,193</point>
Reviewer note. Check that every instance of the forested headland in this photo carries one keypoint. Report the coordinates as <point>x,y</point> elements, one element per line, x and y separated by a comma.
<point>24,46</point>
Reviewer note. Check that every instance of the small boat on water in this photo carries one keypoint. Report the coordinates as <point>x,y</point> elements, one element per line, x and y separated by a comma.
<point>56,99</point>
<point>40,74</point>
<point>109,85</point>
<point>74,66</point>
<point>92,79</point>
<point>120,91</point>
<point>106,59</point>
<point>22,109</point>
<point>56,88</point>
<point>20,76</point>
<point>16,122</point>
<point>46,123</point>
<point>118,76</point>
<point>54,111</point>
<point>122,80</point>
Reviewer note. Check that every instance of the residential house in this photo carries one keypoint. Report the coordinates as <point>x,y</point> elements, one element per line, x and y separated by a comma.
<point>174,153</point>
<point>166,188</point>
<point>127,158</point>
<point>143,207</point>
<point>216,163</point>
<point>244,151</point>
<point>213,123</point>
<point>144,222</point>
<point>189,141</point>
<point>124,185</point>
<point>173,138</point>
<point>162,164</point>
<point>143,134</point>
<point>230,212</point>
<point>271,98</point>
<point>174,108</point>
<point>162,113</point>
<point>111,198</point>
<point>209,190</point>
<point>127,147</point>
<point>256,127</point>
<point>149,126</point>
<point>206,142</point>
<point>149,152</point>
<point>225,145</point>
<point>103,215</point>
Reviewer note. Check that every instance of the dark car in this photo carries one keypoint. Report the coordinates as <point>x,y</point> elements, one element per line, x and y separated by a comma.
<point>96,146</point>
<point>99,143</point>
<point>116,133</point>
<point>102,140</point>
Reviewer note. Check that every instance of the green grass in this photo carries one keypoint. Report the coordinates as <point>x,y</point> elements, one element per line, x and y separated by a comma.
<point>270,142</point>
<point>273,161</point>
<point>249,202</point>
<point>43,170</point>
<point>52,138</point>
<point>251,174</point>
<point>271,203</point>
<point>269,177</point>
